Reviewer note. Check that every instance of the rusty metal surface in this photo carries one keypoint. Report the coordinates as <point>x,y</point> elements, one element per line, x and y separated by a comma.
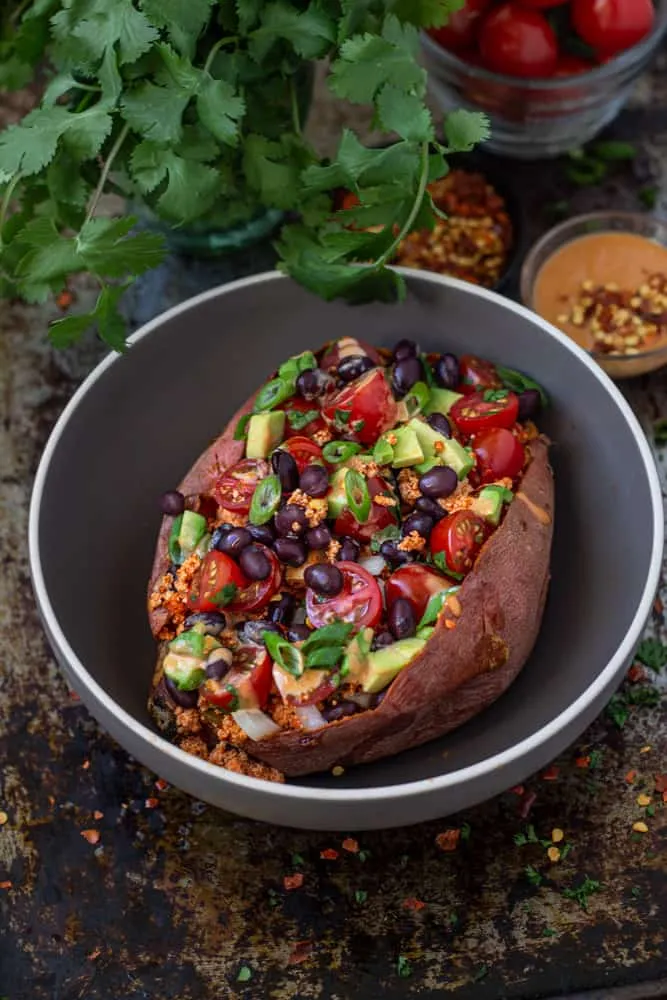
<point>113,886</point>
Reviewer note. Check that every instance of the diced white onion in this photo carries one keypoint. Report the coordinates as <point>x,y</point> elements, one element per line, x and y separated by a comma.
<point>310,716</point>
<point>373,564</point>
<point>255,723</point>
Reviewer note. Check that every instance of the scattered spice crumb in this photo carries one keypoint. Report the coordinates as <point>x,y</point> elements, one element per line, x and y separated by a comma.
<point>640,827</point>
<point>3,818</point>
<point>337,771</point>
<point>7,884</point>
<point>448,840</point>
<point>630,777</point>
<point>557,835</point>
<point>636,674</point>
<point>85,765</point>
<point>94,954</point>
<point>527,804</point>
<point>300,952</point>
<point>551,773</point>
<point>329,854</point>
<point>293,881</point>
<point>553,853</point>
<point>517,790</point>
<point>413,904</point>
<point>351,845</point>
<point>161,784</point>
<point>65,298</point>
<point>661,782</point>
<point>92,836</point>
<point>646,749</point>
<point>98,815</point>
<point>643,800</point>
<point>152,803</point>
<point>582,761</point>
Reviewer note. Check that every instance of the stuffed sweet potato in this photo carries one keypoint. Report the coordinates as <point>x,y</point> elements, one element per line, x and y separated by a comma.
<point>356,565</point>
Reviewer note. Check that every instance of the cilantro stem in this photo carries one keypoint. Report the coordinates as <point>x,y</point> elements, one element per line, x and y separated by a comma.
<point>216,48</point>
<point>113,153</point>
<point>414,211</point>
<point>11,187</point>
<point>296,118</point>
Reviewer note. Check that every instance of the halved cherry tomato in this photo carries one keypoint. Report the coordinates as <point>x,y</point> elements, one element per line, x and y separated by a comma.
<point>460,31</point>
<point>362,410</point>
<point>256,593</point>
<point>476,375</point>
<point>518,42</point>
<point>380,516</point>
<point>248,683</point>
<point>303,451</point>
<point>313,686</point>
<point>611,26</point>
<point>417,584</point>
<point>459,537</point>
<point>499,454</point>
<point>481,410</point>
<point>332,355</point>
<point>359,602</point>
<point>236,486</point>
<point>300,406</point>
<point>217,571</point>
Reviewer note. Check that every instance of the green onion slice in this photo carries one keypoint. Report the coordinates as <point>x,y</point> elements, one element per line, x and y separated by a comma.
<point>336,452</point>
<point>434,607</point>
<point>417,398</point>
<point>273,394</point>
<point>282,652</point>
<point>265,500</point>
<point>383,453</point>
<point>357,496</point>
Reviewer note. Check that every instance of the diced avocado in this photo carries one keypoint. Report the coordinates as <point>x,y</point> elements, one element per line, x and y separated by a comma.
<point>489,503</point>
<point>426,466</point>
<point>426,632</point>
<point>447,450</point>
<point>407,450</point>
<point>383,665</point>
<point>193,529</point>
<point>441,401</point>
<point>265,432</point>
<point>186,672</point>
<point>337,497</point>
<point>356,655</point>
<point>195,642</point>
<point>428,438</point>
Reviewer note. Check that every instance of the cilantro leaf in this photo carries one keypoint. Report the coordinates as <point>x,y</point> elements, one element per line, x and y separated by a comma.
<point>221,110</point>
<point>367,62</point>
<point>105,315</point>
<point>184,22</point>
<point>464,129</point>
<point>106,247</point>
<point>147,166</point>
<point>29,147</point>
<point>310,32</point>
<point>64,332</point>
<point>652,653</point>
<point>405,114</point>
<point>225,595</point>
<point>191,188</point>
<point>155,112</point>
<point>272,170</point>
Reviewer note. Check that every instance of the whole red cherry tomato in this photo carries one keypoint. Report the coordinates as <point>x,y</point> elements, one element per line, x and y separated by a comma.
<point>459,537</point>
<point>417,584</point>
<point>611,26</point>
<point>572,66</point>
<point>518,42</point>
<point>499,454</point>
<point>460,32</point>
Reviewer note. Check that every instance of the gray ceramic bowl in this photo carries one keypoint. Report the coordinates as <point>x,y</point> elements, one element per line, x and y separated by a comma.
<point>137,424</point>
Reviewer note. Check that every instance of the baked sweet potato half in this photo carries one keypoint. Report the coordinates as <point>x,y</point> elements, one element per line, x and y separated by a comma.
<point>357,564</point>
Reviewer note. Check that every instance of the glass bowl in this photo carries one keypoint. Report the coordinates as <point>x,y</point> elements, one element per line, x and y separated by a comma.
<point>532,119</point>
<point>652,228</point>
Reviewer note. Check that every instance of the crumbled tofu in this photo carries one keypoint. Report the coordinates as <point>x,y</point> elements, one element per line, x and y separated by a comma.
<point>367,469</point>
<point>230,517</point>
<point>528,432</point>
<point>241,763</point>
<point>186,574</point>
<point>187,720</point>
<point>164,589</point>
<point>285,716</point>
<point>194,745</point>
<point>408,485</point>
<point>413,542</point>
<point>322,437</point>
<point>171,594</point>
<point>382,500</point>
<point>229,731</point>
<point>316,509</point>
<point>460,499</point>
<point>332,551</point>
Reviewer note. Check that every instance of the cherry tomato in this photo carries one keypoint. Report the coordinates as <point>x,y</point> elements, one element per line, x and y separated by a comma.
<point>248,683</point>
<point>518,42</point>
<point>303,451</point>
<point>312,687</point>
<point>542,4</point>
<point>417,584</point>
<point>380,516</point>
<point>460,31</point>
<point>476,375</point>
<point>236,486</point>
<point>499,454</point>
<point>572,66</point>
<point>299,406</point>
<point>478,412</point>
<point>257,593</point>
<point>364,409</point>
<point>459,537</point>
<point>611,26</point>
<point>332,355</point>
<point>217,571</point>
<point>359,602</point>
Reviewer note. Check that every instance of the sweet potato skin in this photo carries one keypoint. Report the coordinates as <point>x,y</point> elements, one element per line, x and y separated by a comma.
<point>460,672</point>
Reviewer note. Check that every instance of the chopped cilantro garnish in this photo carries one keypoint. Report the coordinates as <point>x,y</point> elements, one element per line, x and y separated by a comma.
<point>533,875</point>
<point>244,975</point>
<point>403,967</point>
<point>582,892</point>
<point>652,653</point>
<point>225,595</point>
<point>360,895</point>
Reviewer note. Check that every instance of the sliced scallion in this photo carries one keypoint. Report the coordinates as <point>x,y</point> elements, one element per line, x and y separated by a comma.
<point>282,652</point>
<point>335,452</point>
<point>265,500</point>
<point>357,496</point>
<point>273,394</point>
<point>417,398</point>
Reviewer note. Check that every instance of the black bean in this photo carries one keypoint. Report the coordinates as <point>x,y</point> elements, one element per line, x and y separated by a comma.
<point>309,385</point>
<point>234,542</point>
<point>401,619</point>
<point>340,711</point>
<point>251,631</point>
<point>394,555</point>
<point>438,482</point>
<point>382,639</point>
<point>214,622</point>
<point>172,502</point>
<point>219,534</point>
<point>314,481</point>
<point>255,563</point>
<point>298,633</point>
<point>352,367</point>
<point>431,507</point>
<point>440,423</point>
<point>262,533</point>
<point>186,699</point>
<point>290,551</point>
<point>291,520</point>
<point>530,403</point>
<point>406,373</point>
<point>419,522</point>
<point>349,549</point>
<point>218,669</point>
<point>446,371</point>
<point>405,349</point>
<point>286,469</point>
<point>319,537</point>
<point>281,611</point>
<point>324,578</point>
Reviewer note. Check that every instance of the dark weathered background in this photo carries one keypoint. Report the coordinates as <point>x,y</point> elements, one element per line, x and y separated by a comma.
<point>114,886</point>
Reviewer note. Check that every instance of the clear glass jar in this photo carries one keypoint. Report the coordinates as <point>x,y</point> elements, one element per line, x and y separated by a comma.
<point>532,119</point>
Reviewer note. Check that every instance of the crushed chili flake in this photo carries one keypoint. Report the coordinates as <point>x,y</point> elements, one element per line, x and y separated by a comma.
<point>517,790</point>
<point>643,800</point>
<point>551,773</point>
<point>553,853</point>
<point>293,881</point>
<point>85,765</point>
<point>557,835</point>
<point>329,854</point>
<point>7,884</point>
<point>636,674</point>
<point>95,953</point>
<point>640,827</point>
<point>74,696</point>
<point>646,749</point>
<point>630,777</point>
<point>3,818</point>
<point>64,300</point>
<point>448,840</point>
<point>152,803</point>
<point>621,320</point>
<point>582,761</point>
<point>413,904</point>
<point>351,845</point>
<point>92,836</point>
<point>161,784</point>
<point>97,814</point>
<point>300,952</point>
<point>661,782</point>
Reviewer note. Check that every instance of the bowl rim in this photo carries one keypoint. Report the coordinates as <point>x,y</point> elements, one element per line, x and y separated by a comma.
<point>379,793</point>
<point>559,231</point>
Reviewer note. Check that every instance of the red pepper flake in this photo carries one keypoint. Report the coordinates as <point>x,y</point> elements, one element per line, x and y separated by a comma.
<point>161,784</point>
<point>664,796</point>
<point>582,761</point>
<point>64,300</point>
<point>300,952</point>
<point>152,803</point>
<point>658,606</point>
<point>351,845</point>
<point>517,790</point>
<point>92,836</point>
<point>85,765</point>
<point>551,773</point>
<point>6,885</point>
<point>413,904</point>
<point>97,814</point>
<point>293,881</point>
<point>527,804</point>
<point>94,954</point>
<point>448,840</point>
<point>329,854</point>
<point>636,673</point>
<point>74,696</point>
<point>630,777</point>
<point>661,782</point>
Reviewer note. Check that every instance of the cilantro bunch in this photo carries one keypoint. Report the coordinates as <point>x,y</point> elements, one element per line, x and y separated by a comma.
<point>193,108</point>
